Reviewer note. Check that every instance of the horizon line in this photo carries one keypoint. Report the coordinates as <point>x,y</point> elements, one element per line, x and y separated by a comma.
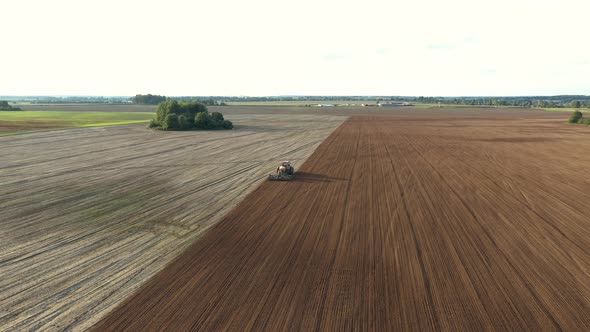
<point>296,96</point>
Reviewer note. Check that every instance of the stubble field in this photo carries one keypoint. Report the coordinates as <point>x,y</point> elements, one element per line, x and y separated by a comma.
<point>89,214</point>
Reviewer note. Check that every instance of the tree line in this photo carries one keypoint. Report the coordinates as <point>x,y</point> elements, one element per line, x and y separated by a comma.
<point>148,99</point>
<point>559,101</point>
<point>5,106</point>
<point>69,99</point>
<point>539,101</point>
<point>574,101</point>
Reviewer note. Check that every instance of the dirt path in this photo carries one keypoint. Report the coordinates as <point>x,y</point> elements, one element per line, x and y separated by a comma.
<point>396,224</point>
<point>87,215</point>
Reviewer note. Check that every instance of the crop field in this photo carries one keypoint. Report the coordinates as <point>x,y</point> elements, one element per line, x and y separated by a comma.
<point>341,103</point>
<point>394,223</point>
<point>89,214</point>
<point>568,110</point>
<point>88,107</point>
<point>398,219</point>
<point>19,122</point>
<point>297,102</point>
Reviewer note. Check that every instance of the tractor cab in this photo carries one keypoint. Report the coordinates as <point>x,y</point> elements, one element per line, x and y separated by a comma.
<point>287,165</point>
<point>285,172</point>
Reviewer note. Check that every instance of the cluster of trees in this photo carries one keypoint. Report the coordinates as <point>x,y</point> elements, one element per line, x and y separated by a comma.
<point>156,99</point>
<point>578,117</point>
<point>148,99</point>
<point>175,115</point>
<point>5,106</point>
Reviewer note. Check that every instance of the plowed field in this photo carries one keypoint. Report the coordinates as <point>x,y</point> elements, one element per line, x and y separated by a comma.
<point>396,224</point>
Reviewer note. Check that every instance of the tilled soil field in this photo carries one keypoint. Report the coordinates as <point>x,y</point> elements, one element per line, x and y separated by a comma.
<point>396,224</point>
<point>87,215</point>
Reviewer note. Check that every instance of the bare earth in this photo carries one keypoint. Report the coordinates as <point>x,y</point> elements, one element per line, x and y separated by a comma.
<point>396,223</point>
<point>88,215</point>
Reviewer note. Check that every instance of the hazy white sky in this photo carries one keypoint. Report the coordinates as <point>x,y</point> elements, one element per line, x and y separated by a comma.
<point>304,47</point>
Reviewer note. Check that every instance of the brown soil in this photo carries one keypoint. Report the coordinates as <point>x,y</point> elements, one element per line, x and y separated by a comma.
<point>393,224</point>
<point>23,126</point>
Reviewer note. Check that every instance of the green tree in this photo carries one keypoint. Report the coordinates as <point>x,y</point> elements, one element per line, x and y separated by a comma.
<point>227,124</point>
<point>171,122</point>
<point>217,116</point>
<point>183,123</point>
<point>165,108</point>
<point>575,117</point>
<point>191,108</point>
<point>209,102</point>
<point>148,99</point>
<point>203,121</point>
<point>576,104</point>
<point>153,124</point>
<point>540,103</point>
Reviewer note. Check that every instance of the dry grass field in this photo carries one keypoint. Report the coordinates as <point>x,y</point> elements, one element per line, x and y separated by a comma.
<point>89,214</point>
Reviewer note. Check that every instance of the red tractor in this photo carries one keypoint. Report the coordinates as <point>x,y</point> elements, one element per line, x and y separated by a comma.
<point>285,172</point>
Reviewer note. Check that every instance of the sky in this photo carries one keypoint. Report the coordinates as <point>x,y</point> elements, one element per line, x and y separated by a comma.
<point>304,47</point>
